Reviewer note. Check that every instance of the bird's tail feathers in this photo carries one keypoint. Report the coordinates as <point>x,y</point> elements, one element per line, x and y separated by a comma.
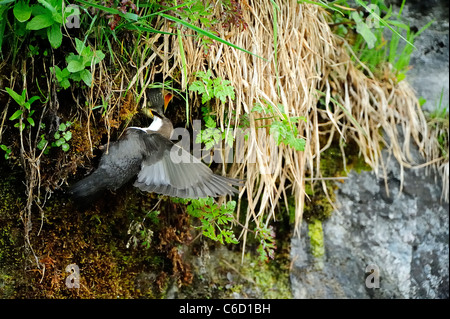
<point>88,189</point>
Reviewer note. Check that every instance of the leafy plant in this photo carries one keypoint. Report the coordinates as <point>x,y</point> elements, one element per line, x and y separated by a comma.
<point>198,11</point>
<point>370,21</point>
<point>214,219</point>
<point>62,76</point>
<point>267,246</point>
<point>282,128</point>
<point>211,135</point>
<point>212,88</point>
<point>25,108</point>
<point>48,16</point>
<point>139,232</point>
<point>7,150</point>
<point>61,136</point>
<point>76,65</point>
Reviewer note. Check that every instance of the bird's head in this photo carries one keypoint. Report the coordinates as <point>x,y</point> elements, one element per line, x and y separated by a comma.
<point>157,102</point>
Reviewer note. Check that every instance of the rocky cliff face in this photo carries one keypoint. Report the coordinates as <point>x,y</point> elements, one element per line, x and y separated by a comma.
<point>404,235</point>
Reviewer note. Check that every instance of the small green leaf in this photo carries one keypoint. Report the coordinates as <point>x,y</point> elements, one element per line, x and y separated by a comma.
<point>65,147</point>
<point>16,115</point>
<point>30,120</point>
<point>67,135</point>
<point>40,22</point>
<point>75,65</point>
<point>62,127</point>
<point>99,55</point>
<point>86,76</point>
<point>363,29</point>
<point>197,86</point>
<point>210,122</point>
<point>57,17</point>
<point>57,136</point>
<point>33,98</point>
<point>18,98</point>
<point>422,101</point>
<point>65,83</point>
<point>79,45</point>
<point>21,127</point>
<point>75,76</point>
<point>60,142</point>
<point>42,143</point>
<point>22,11</point>
<point>54,35</point>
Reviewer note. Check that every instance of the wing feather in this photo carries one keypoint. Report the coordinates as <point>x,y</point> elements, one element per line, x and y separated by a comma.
<point>175,172</point>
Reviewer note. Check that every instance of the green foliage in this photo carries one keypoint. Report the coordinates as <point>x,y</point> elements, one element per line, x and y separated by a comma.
<point>267,246</point>
<point>61,137</point>
<point>439,121</point>
<point>212,88</point>
<point>198,11</point>
<point>62,76</point>
<point>369,21</point>
<point>214,219</point>
<point>212,135</point>
<point>25,108</point>
<point>77,64</point>
<point>282,128</point>
<point>139,232</point>
<point>46,16</point>
<point>7,150</point>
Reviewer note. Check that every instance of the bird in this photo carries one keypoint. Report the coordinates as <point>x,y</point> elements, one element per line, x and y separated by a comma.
<point>156,164</point>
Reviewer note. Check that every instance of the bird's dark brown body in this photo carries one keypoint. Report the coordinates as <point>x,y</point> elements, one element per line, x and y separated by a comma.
<point>149,157</point>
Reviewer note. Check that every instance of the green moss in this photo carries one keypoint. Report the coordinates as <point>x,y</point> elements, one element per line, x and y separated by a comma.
<point>272,279</point>
<point>95,240</point>
<point>315,233</point>
<point>318,206</point>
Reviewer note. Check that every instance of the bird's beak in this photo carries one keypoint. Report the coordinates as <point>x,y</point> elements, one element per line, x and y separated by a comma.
<point>167,98</point>
<point>149,110</point>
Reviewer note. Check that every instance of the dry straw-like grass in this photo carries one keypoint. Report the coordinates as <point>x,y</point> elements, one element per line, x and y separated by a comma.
<point>312,62</point>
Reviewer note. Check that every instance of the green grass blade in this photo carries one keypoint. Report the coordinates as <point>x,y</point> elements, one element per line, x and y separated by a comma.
<point>100,7</point>
<point>206,33</point>
<point>321,4</point>
<point>184,71</point>
<point>374,14</point>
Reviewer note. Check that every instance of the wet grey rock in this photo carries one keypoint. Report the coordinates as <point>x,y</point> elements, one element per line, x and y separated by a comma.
<point>405,235</point>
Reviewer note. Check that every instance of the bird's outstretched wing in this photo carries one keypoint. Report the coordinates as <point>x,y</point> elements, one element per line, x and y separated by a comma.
<point>170,170</point>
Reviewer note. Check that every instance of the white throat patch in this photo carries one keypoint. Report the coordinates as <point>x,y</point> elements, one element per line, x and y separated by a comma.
<point>156,124</point>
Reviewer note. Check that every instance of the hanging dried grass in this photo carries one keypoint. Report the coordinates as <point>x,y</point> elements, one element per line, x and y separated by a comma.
<point>312,62</point>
